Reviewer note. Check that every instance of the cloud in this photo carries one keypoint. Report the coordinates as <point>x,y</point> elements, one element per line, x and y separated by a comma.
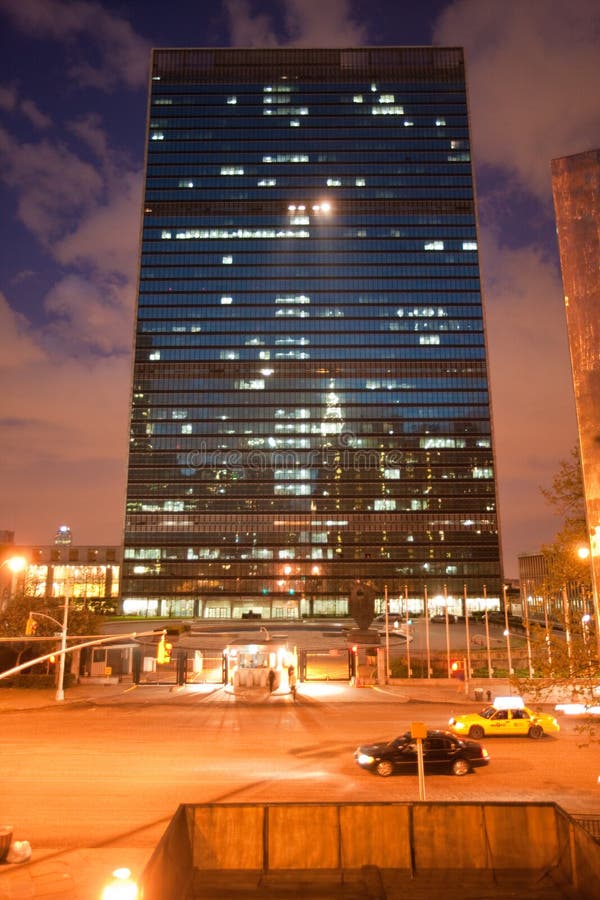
<point>18,348</point>
<point>8,97</point>
<point>533,71</point>
<point>37,118</point>
<point>64,426</point>
<point>532,398</point>
<point>302,23</point>
<point>122,54</point>
<point>107,236</point>
<point>88,315</point>
<point>52,183</point>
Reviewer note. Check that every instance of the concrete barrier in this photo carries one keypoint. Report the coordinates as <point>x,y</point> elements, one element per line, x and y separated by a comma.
<point>265,838</point>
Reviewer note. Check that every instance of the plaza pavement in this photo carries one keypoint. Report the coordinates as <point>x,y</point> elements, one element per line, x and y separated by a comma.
<point>81,873</point>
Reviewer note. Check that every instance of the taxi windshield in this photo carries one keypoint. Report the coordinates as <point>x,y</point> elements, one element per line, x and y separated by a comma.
<point>488,712</point>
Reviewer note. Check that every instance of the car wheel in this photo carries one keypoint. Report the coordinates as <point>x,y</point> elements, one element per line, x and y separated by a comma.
<point>460,767</point>
<point>384,768</point>
<point>476,732</point>
<point>536,732</point>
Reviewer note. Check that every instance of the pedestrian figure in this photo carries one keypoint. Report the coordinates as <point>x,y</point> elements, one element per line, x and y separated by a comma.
<point>271,677</point>
<point>292,681</point>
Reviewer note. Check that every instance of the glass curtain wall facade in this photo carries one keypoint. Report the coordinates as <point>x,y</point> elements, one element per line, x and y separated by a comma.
<point>576,191</point>
<point>310,390</point>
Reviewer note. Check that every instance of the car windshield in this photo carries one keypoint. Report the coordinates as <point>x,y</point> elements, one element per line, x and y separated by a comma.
<point>488,712</point>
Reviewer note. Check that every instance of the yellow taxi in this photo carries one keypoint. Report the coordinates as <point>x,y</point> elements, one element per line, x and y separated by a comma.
<point>506,715</point>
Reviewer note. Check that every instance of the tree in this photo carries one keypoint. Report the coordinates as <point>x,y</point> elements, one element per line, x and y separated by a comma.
<point>566,671</point>
<point>567,497</point>
<point>566,494</point>
<point>566,662</point>
<point>14,623</point>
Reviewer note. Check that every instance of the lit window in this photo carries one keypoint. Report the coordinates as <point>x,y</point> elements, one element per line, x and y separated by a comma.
<point>294,123</point>
<point>387,111</point>
<point>300,298</point>
<point>439,121</point>
<point>186,184</point>
<point>408,123</point>
<point>469,245</point>
<point>358,98</point>
<point>157,136</point>
<point>267,182</point>
<point>186,428</point>
<point>433,245</point>
<point>227,260</point>
<point>373,87</point>
<point>226,301</point>
<point>163,101</point>
<point>252,384</point>
<point>391,474</point>
<point>334,182</point>
<point>166,235</point>
<point>384,505</point>
<point>232,170</point>
<point>360,182</point>
<point>387,98</point>
<point>229,354</point>
<point>429,339</point>
<point>154,356</point>
<point>231,101</point>
<point>286,157</point>
<point>482,472</point>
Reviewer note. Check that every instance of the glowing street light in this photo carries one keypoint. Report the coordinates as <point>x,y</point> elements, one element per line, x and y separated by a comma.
<point>121,886</point>
<point>16,565</point>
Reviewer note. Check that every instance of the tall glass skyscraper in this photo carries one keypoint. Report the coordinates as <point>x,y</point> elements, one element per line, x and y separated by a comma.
<point>310,390</point>
<point>576,190</point>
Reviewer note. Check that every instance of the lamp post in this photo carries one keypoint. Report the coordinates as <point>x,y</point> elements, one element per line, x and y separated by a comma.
<point>387,634</point>
<point>428,649</point>
<point>60,692</point>
<point>448,665</point>
<point>408,670</point>
<point>507,633</point>
<point>467,631</point>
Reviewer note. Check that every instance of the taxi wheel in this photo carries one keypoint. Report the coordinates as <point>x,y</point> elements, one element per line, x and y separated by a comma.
<point>476,732</point>
<point>460,767</point>
<point>536,732</point>
<point>384,768</point>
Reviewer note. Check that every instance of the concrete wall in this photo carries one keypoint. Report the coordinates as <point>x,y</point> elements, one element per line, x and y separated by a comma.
<point>405,836</point>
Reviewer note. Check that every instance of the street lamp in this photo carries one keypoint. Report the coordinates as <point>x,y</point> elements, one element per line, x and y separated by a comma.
<point>16,565</point>
<point>60,691</point>
<point>507,633</point>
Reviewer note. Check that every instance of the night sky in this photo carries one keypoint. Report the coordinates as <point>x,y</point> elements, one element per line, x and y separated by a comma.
<point>73,87</point>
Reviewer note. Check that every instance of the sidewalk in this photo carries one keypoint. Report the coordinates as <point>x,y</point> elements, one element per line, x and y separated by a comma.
<point>435,690</point>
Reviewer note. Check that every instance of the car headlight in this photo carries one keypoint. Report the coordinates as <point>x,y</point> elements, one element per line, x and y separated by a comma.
<point>363,760</point>
<point>457,725</point>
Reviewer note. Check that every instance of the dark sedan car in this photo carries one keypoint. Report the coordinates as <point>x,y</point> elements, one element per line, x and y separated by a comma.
<point>442,753</point>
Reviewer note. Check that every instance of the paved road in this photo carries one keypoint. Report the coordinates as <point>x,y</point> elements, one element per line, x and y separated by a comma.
<point>110,768</point>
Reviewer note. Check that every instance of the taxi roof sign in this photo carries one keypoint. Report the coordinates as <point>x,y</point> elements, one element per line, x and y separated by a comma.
<point>508,703</point>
